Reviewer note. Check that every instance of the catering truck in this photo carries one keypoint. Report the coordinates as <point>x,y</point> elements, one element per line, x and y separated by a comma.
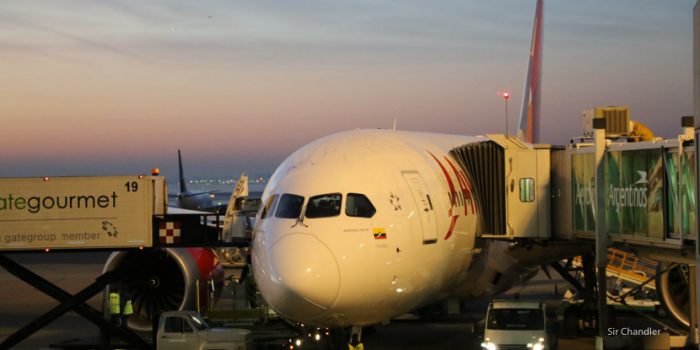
<point>87,212</point>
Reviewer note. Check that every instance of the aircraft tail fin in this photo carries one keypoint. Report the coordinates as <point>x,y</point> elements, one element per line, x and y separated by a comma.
<point>183,186</point>
<point>529,123</point>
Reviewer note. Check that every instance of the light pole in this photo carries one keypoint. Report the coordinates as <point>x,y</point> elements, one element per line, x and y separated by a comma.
<point>506,95</point>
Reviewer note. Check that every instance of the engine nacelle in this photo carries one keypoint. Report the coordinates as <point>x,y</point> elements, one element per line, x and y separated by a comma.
<point>165,279</point>
<point>673,292</point>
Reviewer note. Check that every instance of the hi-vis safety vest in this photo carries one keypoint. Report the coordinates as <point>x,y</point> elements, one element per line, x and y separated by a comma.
<point>128,309</point>
<point>114,303</point>
<point>356,347</point>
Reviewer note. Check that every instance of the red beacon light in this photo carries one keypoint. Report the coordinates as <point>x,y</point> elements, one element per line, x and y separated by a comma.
<point>46,178</point>
<point>506,94</point>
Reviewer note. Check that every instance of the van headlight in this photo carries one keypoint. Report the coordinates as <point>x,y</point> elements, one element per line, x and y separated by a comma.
<point>488,345</point>
<point>536,346</point>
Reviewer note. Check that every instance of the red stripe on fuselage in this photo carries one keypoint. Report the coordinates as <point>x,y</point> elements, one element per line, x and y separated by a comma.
<point>449,181</point>
<point>464,184</point>
<point>452,197</point>
<point>452,227</point>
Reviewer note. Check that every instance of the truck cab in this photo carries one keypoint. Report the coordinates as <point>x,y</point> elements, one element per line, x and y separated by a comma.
<point>187,330</point>
<point>516,324</point>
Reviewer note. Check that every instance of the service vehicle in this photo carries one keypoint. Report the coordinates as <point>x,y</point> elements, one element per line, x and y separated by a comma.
<point>516,324</point>
<point>187,330</point>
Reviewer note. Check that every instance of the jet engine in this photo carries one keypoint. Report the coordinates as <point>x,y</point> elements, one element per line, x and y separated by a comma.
<point>165,279</point>
<point>673,292</point>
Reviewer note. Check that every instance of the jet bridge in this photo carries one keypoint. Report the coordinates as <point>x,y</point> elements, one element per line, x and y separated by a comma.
<point>545,192</point>
<point>649,192</point>
<point>511,181</point>
<point>547,195</point>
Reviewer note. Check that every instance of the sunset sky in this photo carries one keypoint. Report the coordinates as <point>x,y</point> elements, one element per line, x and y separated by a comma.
<point>107,87</point>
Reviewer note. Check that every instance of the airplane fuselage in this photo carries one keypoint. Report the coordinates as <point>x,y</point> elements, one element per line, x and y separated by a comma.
<point>339,265</point>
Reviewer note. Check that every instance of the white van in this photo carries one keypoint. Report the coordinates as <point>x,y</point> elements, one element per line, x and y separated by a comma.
<point>516,325</point>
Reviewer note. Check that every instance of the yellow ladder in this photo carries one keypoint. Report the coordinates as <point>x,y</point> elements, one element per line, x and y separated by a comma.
<point>630,268</point>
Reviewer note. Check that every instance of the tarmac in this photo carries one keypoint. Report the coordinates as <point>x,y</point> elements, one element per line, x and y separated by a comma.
<point>21,303</point>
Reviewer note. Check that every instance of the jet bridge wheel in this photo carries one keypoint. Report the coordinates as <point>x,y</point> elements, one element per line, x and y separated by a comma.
<point>673,292</point>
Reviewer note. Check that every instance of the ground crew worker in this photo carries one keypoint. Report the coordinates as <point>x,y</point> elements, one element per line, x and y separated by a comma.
<point>355,343</point>
<point>128,310</point>
<point>115,307</point>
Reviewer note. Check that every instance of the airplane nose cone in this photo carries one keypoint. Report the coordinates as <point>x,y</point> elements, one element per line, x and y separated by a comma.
<point>302,278</point>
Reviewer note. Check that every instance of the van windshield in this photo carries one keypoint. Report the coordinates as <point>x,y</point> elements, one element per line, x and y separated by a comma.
<point>516,319</point>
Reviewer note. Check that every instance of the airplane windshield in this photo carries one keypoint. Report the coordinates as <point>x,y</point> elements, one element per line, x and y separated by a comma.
<point>269,208</point>
<point>289,206</point>
<point>358,205</point>
<point>323,206</point>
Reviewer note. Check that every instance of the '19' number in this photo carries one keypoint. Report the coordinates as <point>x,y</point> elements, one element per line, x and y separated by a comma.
<point>131,186</point>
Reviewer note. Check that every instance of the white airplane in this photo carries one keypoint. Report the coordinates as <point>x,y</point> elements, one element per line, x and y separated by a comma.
<point>362,226</point>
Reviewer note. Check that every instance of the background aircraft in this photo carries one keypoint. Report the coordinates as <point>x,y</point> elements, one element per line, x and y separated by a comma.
<point>186,199</point>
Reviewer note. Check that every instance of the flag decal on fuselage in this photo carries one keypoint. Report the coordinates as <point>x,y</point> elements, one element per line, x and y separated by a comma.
<point>379,233</point>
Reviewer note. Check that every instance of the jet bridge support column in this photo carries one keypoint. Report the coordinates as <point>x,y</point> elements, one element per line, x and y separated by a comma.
<point>601,234</point>
<point>693,296</point>
<point>694,302</point>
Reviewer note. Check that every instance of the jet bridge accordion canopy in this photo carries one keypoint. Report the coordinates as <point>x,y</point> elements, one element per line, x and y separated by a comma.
<point>510,180</point>
<point>483,163</point>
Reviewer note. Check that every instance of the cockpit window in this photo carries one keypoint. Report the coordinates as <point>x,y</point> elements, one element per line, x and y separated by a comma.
<point>323,206</point>
<point>289,206</point>
<point>269,207</point>
<point>358,205</point>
